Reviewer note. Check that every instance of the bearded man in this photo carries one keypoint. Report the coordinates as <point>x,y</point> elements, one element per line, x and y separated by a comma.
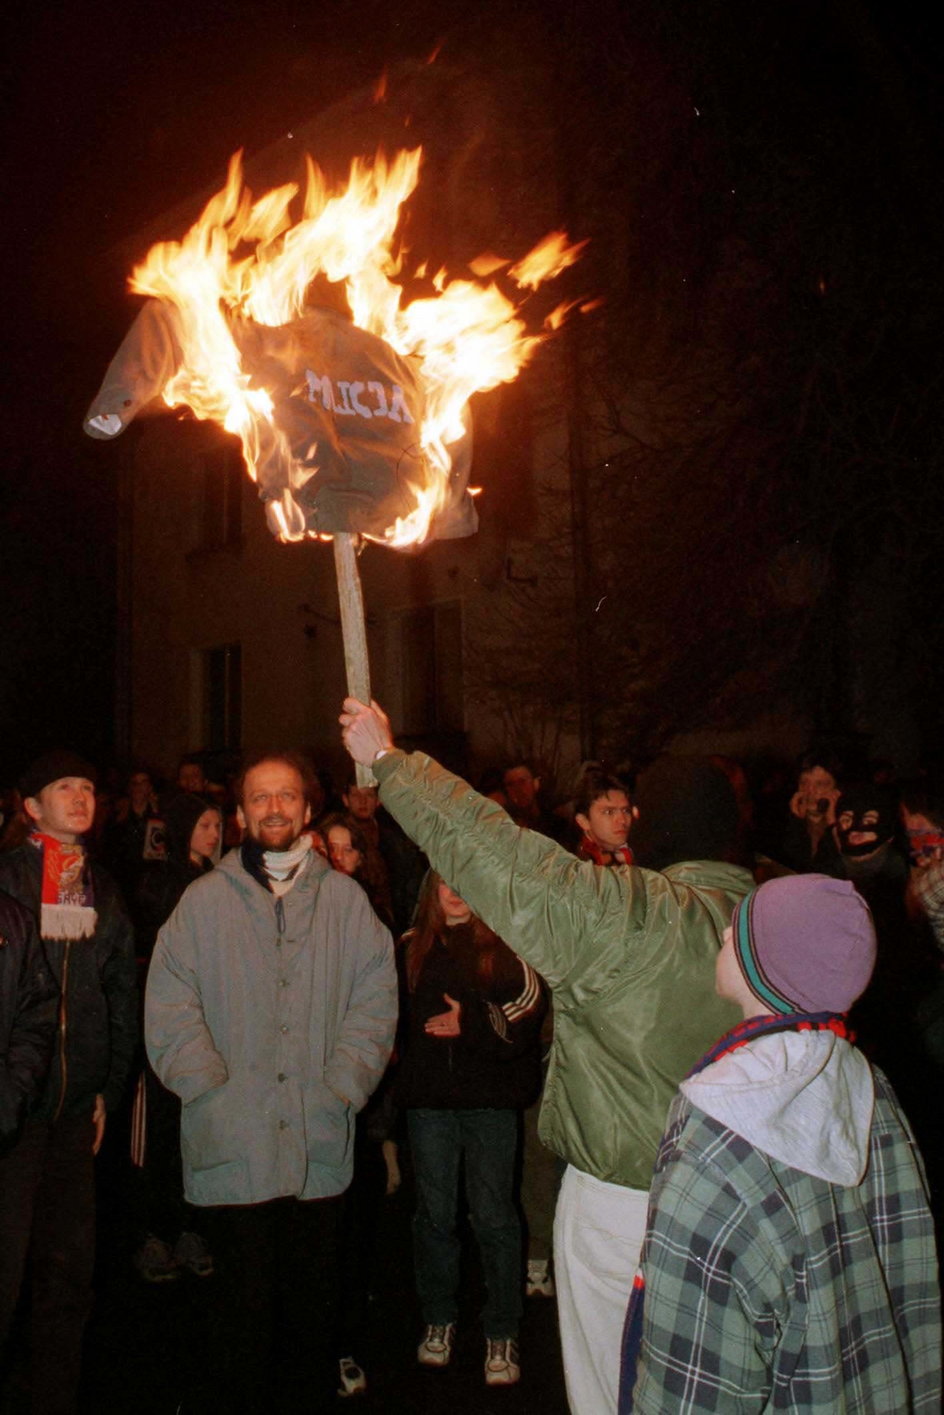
<point>271,1007</point>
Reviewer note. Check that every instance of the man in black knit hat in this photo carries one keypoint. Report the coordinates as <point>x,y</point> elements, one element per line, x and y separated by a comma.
<point>47,1180</point>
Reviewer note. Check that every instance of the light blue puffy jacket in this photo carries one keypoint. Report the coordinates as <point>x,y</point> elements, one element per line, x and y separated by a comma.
<point>272,1020</point>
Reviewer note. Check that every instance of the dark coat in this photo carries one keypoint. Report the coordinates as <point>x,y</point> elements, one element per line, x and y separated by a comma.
<point>97,988</point>
<point>495,1061</point>
<point>28,998</point>
<point>162,882</point>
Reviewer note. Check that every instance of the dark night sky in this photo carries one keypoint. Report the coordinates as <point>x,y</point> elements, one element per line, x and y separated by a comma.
<point>115,112</point>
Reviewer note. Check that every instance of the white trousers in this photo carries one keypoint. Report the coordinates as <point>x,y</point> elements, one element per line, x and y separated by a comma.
<point>598,1233</point>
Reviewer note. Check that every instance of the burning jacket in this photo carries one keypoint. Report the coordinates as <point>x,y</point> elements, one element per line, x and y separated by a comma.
<point>347,412</point>
<point>629,955</point>
<point>95,979</point>
<point>272,1019</point>
<point>495,1061</point>
<point>27,1017</point>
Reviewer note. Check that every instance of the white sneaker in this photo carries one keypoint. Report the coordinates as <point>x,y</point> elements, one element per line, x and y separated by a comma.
<point>501,1361</point>
<point>539,1282</point>
<point>351,1378</point>
<point>436,1347</point>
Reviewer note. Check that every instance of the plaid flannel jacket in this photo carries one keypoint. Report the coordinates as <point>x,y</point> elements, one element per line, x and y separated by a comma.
<point>766,1289</point>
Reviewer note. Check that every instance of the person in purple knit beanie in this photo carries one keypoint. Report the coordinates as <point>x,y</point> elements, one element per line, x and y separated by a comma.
<point>804,943</point>
<point>789,1262</point>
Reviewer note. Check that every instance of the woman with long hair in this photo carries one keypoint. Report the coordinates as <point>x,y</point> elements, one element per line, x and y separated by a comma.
<point>348,852</point>
<point>472,1063</point>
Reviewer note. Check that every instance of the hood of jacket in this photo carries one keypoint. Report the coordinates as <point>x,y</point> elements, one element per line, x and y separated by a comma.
<point>803,1098</point>
<point>181,813</point>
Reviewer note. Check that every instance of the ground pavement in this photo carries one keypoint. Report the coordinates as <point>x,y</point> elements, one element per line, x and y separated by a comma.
<point>144,1341</point>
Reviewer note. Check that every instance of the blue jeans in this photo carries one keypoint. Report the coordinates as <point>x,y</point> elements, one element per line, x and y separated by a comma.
<point>488,1140</point>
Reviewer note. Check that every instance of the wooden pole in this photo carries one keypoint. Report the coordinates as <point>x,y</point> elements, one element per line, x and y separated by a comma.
<point>353,629</point>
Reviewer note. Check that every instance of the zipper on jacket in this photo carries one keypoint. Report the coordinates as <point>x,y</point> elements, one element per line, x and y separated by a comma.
<point>63,1028</point>
<point>280,915</point>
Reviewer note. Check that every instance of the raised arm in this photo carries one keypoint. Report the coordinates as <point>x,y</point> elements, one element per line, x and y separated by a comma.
<point>571,920</point>
<point>148,356</point>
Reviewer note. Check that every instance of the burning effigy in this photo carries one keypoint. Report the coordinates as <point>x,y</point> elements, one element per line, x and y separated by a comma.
<point>353,416</point>
<point>290,330</point>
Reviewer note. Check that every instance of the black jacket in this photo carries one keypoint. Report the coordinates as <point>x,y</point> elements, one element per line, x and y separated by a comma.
<point>162,882</point>
<point>495,1061</point>
<point>28,998</point>
<point>97,991</point>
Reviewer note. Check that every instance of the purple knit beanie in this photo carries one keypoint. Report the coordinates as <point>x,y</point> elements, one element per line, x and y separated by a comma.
<point>805,943</point>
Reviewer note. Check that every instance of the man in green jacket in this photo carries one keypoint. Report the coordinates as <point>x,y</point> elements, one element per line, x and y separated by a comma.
<point>629,954</point>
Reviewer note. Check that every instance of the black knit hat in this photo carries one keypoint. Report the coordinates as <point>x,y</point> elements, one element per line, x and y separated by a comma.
<point>53,766</point>
<point>687,811</point>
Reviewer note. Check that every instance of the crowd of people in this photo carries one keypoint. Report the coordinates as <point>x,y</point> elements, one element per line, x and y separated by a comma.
<point>672,1044</point>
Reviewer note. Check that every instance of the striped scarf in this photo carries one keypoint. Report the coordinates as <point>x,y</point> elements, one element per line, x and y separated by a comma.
<point>746,1031</point>
<point>67,901</point>
<point>589,850</point>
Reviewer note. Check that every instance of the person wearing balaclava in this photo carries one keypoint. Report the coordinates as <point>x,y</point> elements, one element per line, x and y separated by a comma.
<point>789,1260</point>
<point>865,830</point>
<point>629,954</point>
<point>865,833</point>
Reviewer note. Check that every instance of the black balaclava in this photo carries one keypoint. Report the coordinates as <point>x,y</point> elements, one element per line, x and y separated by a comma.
<point>868,811</point>
<point>687,811</point>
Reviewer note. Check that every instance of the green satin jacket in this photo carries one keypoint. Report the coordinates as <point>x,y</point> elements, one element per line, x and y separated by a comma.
<point>629,955</point>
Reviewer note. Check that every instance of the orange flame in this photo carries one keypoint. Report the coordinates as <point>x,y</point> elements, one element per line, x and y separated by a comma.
<point>250,260</point>
<point>549,258</point>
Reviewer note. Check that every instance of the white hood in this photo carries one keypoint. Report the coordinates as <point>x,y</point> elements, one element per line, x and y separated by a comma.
<point>803,1098</point>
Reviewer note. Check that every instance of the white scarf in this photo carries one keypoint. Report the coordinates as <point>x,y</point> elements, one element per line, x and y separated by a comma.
<point>282,865</point>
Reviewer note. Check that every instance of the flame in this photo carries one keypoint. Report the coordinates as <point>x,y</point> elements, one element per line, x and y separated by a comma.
<point>549,258</point>
<point>248,259</point>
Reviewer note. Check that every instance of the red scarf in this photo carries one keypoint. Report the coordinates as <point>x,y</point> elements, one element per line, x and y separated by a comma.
<point>67,903</point>
<point>590,850</point>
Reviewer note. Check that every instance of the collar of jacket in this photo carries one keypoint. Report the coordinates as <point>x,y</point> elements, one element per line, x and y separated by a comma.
<point>251,856</point>
<point>708,873</point>
<point>309,877</point>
